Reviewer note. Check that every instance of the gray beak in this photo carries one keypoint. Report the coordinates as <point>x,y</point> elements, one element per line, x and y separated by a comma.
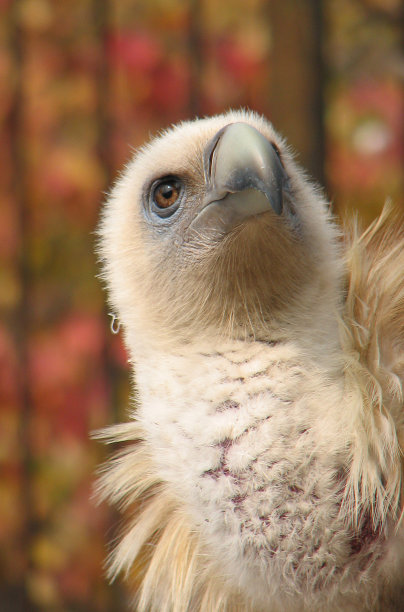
<point>244,177</point>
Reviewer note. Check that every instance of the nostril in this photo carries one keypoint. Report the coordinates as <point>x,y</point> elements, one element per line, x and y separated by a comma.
<point>210,151</point>
<point>211,156</point>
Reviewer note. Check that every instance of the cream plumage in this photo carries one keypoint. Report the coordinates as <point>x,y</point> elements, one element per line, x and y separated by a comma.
<point>262,465</point>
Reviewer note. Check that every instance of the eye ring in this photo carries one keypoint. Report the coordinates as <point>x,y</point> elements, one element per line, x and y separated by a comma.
<point>166,196</point>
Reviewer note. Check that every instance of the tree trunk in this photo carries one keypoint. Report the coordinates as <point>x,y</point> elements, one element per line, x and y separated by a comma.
<point>297,79</point>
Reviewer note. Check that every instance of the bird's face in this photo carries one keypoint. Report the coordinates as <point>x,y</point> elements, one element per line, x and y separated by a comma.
<point>213,229</point>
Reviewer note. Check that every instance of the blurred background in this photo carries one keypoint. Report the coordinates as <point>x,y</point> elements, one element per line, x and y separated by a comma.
<point>83,81</point>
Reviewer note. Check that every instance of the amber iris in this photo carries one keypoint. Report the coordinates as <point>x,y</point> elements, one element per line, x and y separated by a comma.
<point>166,194</point>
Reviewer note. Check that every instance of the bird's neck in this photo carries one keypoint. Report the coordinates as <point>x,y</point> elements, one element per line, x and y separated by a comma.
<point>206,379</point>
<point>314,339</point>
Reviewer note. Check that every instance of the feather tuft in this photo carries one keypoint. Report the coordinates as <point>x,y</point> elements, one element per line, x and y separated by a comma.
<point>373,342</point>
<point>177,562</point>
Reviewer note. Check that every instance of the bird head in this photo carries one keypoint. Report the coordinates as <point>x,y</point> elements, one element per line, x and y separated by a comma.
<point>214,229</point>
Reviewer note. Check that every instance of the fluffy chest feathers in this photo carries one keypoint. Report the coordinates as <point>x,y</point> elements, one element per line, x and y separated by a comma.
<point>261,469</point>
<point>223,410</point>
<point>251,439</point>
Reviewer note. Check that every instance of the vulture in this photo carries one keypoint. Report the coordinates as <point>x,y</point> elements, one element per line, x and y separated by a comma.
<point>260,469</point>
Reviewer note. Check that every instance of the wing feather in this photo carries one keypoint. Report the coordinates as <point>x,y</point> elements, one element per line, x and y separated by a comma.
<point>374,346</point>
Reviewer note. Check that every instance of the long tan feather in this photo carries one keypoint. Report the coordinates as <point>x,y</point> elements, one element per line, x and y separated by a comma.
<point>174,559</point>
<point>373,341</point>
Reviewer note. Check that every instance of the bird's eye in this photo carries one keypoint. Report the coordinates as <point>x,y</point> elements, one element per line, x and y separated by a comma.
<point>166,196</point>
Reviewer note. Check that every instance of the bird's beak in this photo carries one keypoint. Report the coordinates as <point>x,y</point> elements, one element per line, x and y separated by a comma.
<point>244,177</point>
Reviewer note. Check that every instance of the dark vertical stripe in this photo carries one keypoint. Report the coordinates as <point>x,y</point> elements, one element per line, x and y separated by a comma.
<point>195,53</point>
<point>319,150</point>
<point>103,23</point>
<point>22,317</point>
<point>296,82</point>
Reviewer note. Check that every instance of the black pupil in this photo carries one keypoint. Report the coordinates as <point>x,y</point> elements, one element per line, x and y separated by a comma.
<point>167,191</point>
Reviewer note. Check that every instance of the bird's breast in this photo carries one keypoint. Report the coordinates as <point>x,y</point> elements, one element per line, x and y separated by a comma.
<point>251,441</point>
